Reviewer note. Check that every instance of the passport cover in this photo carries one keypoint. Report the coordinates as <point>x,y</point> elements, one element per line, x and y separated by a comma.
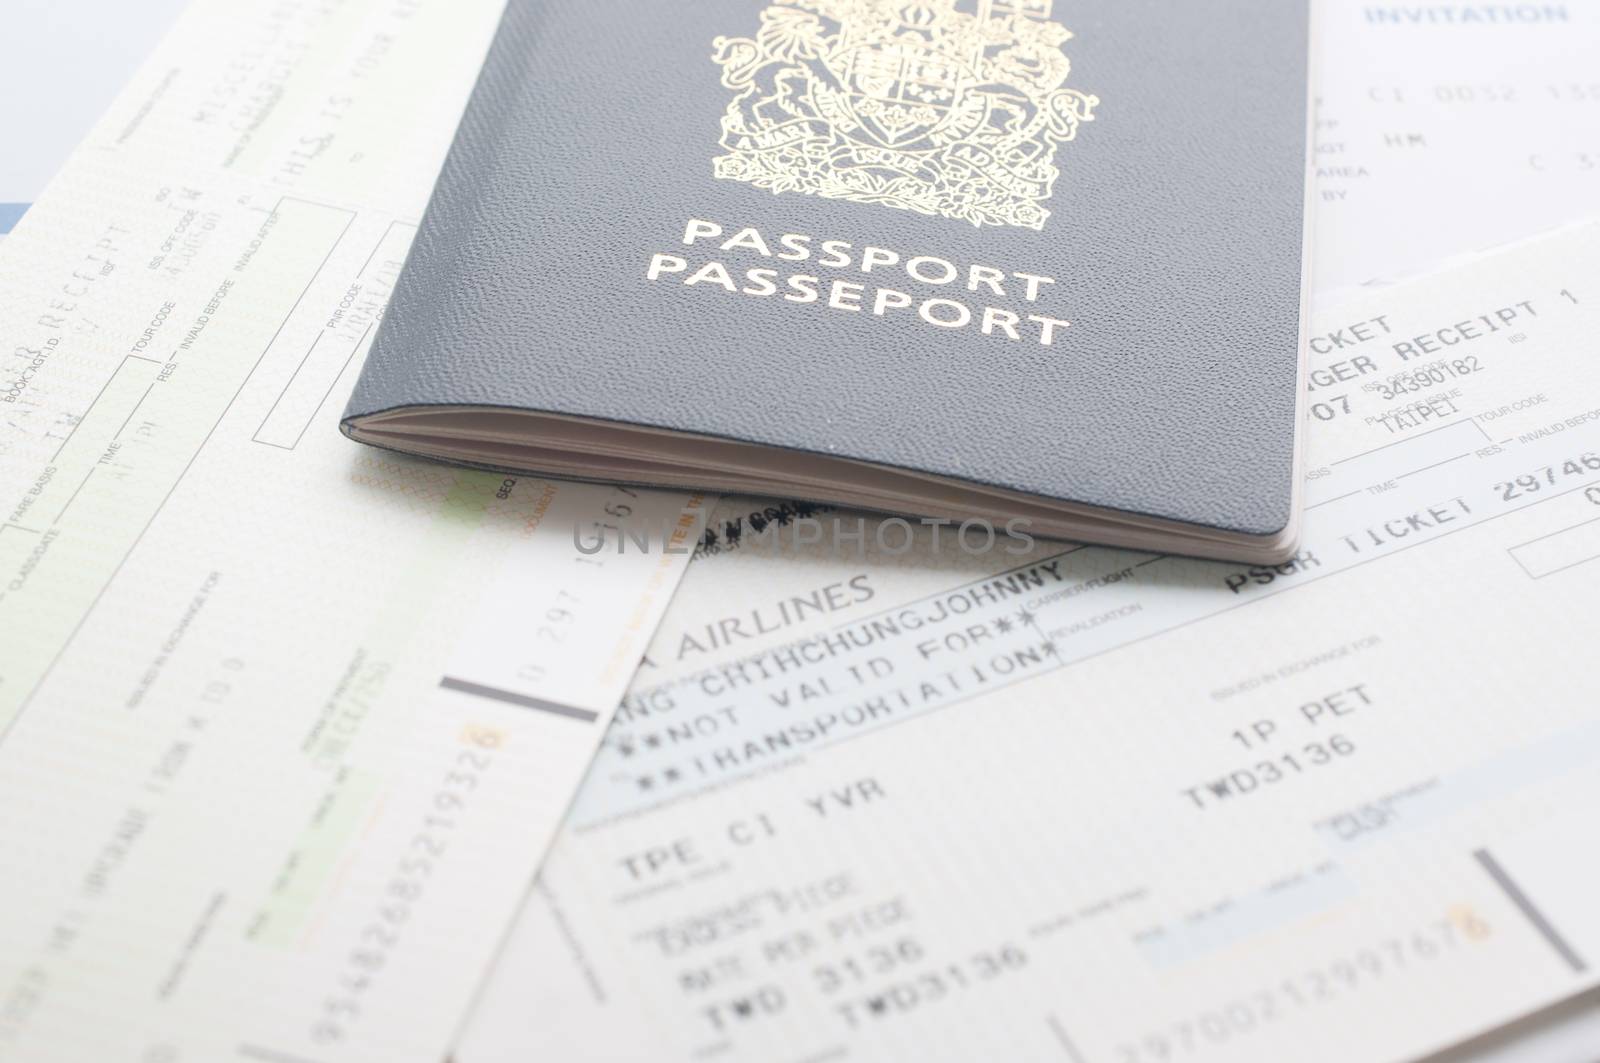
<point>1050,250</point>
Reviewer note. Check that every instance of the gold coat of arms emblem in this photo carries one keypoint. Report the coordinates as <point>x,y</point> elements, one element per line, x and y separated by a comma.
<point>945,107</point>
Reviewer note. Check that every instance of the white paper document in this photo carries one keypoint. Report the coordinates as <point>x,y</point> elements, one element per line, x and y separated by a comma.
<point>1447,128</point>
<point>1093,805</point>
<point>285,721</point>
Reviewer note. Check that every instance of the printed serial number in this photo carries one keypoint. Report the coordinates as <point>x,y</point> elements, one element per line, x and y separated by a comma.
<point>933,985</point>
<point>1424,377</point>
<point>849,970</point>
<point>1552,474</point>
<point>1269,772</point>
<point>1338,978</point>
<point>380,936</point>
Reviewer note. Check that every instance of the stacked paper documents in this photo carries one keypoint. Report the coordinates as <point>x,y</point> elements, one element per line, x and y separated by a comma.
<point>314,753</point>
